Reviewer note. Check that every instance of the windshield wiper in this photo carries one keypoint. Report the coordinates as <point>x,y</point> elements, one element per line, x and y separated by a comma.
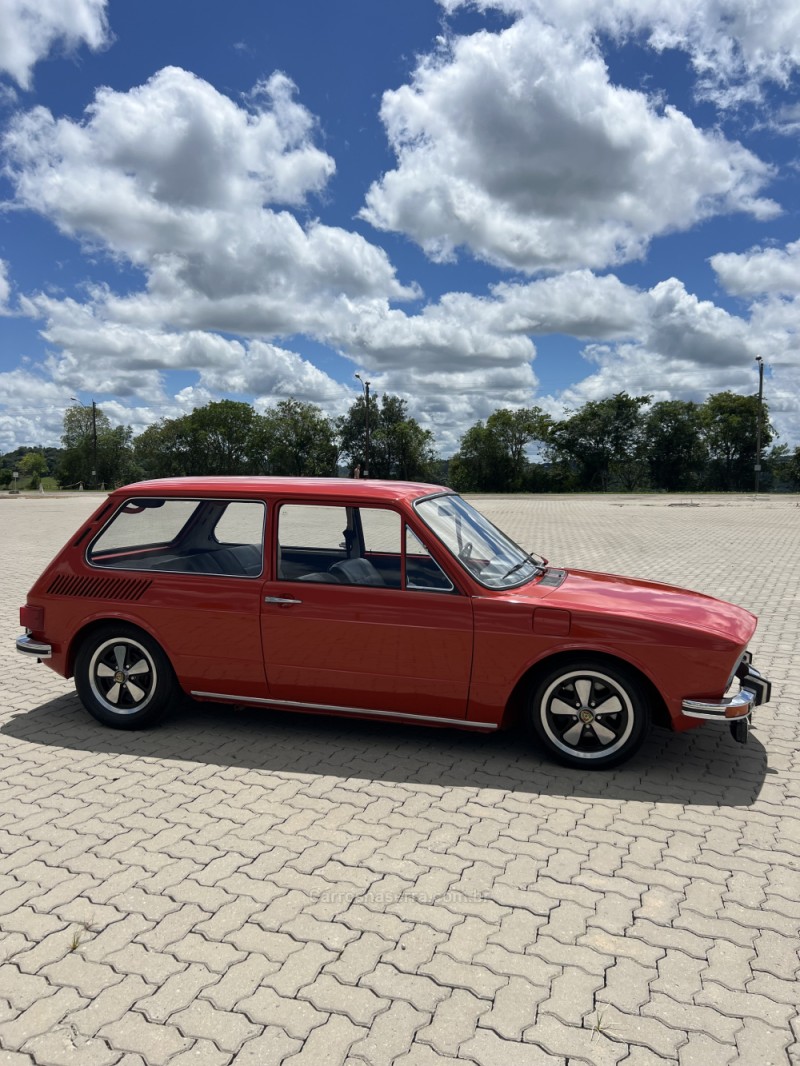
<point>529,558</point>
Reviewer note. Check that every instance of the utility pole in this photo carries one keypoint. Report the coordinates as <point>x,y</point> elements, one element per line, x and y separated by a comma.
<point>94,435</point>
<point>365,386</point>
<point>94,441</point>
<point>760,362</point>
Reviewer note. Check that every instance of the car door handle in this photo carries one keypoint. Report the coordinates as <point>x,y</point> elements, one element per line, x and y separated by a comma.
<point>280,599</point>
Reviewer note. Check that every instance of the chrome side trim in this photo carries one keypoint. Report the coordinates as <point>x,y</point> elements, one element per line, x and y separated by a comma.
<point>731,707</point>
<point>345,710</point>
<point>28,646</point>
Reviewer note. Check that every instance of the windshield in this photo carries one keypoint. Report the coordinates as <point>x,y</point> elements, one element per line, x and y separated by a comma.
<point>480,547</point>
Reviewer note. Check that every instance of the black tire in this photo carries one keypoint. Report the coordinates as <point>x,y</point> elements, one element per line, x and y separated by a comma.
<point>123,678</point>
<point>589,714</point>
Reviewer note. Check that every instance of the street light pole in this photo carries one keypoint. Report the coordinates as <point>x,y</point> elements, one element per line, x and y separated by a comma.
<point>760,362</point>
<point>365,386</point>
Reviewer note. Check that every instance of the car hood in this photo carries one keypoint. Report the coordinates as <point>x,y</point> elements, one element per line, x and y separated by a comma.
<point>584,592</point>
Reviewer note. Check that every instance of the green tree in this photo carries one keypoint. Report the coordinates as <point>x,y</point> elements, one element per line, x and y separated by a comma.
<point>492,456</point>
<point>94,452</point>
<point>729,426</point>
<point>399,447</point>
<point>605,441</point>
<point>226,438</point>
<point>674,443</point>
<point>33,466</point>
<point>164,449</point>
<point>298,440</point>
<point>793,469</point>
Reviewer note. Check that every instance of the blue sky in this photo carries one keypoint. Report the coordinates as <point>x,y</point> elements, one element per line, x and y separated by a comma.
<point>474,205</point>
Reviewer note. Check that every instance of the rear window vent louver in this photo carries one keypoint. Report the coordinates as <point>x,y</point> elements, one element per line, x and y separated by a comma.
<point>99,588</point>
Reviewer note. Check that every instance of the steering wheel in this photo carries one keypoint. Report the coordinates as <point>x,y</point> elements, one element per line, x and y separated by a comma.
<point>465,551</point>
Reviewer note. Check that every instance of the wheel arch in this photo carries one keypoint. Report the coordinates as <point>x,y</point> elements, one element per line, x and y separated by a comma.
<point>93,624</point>
<point>659,713</point>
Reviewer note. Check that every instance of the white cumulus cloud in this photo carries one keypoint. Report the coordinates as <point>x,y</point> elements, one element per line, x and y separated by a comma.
<point>516,146</point>
<point>30,29</point>
<point>735,46</point>
<point>192,187</point>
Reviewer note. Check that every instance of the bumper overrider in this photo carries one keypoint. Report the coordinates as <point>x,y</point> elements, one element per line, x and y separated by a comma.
<point>754,689</point>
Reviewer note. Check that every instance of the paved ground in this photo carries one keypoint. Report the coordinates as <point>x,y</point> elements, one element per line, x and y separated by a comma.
<point>250,888</point>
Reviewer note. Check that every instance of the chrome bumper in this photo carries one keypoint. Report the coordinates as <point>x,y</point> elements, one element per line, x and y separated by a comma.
<point>754,690</point>
<point>28,646</point>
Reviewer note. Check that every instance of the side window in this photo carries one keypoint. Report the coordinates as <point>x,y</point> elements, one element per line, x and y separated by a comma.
<point>242,522</point>
<point>381,529</point>
<point>422,570</point>
<point>311,539</point>
<point>339,545</point>
<point>217,537</point>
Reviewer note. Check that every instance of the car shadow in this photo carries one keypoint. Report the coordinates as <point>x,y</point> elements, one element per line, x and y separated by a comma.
<point>704,766</point>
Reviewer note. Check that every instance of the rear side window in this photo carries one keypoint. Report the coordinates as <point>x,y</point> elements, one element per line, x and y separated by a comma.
<point>215,537</point>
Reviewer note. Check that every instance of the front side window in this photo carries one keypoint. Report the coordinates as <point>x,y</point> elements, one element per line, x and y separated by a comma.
<point>369,546</point>
<point>217,537</point>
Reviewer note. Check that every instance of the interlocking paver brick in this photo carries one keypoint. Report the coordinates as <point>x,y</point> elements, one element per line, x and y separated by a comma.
<point>571,996</point>
<point>65,1047</point>
<point>297,1017</point>
<point>692,1017</point>
<point>570,1042</point>
<point>114,937</point>
<point>361,956</point>
<point>390,1035</point>
<point>514,1008</point>
<point>23,989</point>
<point>155,967</point>
<point>488,1049</point>
<point>112,1003</point>
<point>39,1018</point>
<point>328,1045</point>
<point>228,1029</point>
<point>195,948</point>
<point>702,1050</point>
<point>421,992</point>
<point>239,982</point>
<point>178,991</point>
<point>624,1029</point>
<point>744,1005</point>
<point>763,1043</point>
<point>776,955</point>
<point>453,1022</point>
<point>301,970</point>
<point>271,1048</point>
<point>201,1053</point>
<point>360,1004</point>
<point>87,978</point>
<point>156,1044</point>
<point>679,976</point>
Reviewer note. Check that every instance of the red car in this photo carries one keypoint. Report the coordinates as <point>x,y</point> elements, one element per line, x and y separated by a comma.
<point>380,600</point>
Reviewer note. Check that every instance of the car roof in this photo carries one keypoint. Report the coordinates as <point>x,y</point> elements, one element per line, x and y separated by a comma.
<point>285,487</point>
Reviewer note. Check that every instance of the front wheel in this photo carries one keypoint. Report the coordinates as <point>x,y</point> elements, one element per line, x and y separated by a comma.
<point>589,714</point>
<point>123,678</point>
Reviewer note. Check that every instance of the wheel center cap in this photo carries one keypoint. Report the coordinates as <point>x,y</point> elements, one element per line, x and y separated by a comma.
<point>586,717</point>
<point>119,677</point>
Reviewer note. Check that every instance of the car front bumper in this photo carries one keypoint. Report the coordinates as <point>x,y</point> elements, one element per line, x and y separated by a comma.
<point>754,690</point>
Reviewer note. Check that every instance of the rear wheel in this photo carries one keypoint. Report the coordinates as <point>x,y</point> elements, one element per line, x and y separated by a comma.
<point>123,678</point>
<point>588,713</point>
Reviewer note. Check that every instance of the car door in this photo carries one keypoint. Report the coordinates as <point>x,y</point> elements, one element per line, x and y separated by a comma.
<point>360,617</point>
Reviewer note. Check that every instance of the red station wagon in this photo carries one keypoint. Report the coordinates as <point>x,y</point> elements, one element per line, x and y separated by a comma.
<point>379,600</point>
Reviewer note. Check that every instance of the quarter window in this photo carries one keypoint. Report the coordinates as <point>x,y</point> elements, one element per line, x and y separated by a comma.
<point>215,537</point>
